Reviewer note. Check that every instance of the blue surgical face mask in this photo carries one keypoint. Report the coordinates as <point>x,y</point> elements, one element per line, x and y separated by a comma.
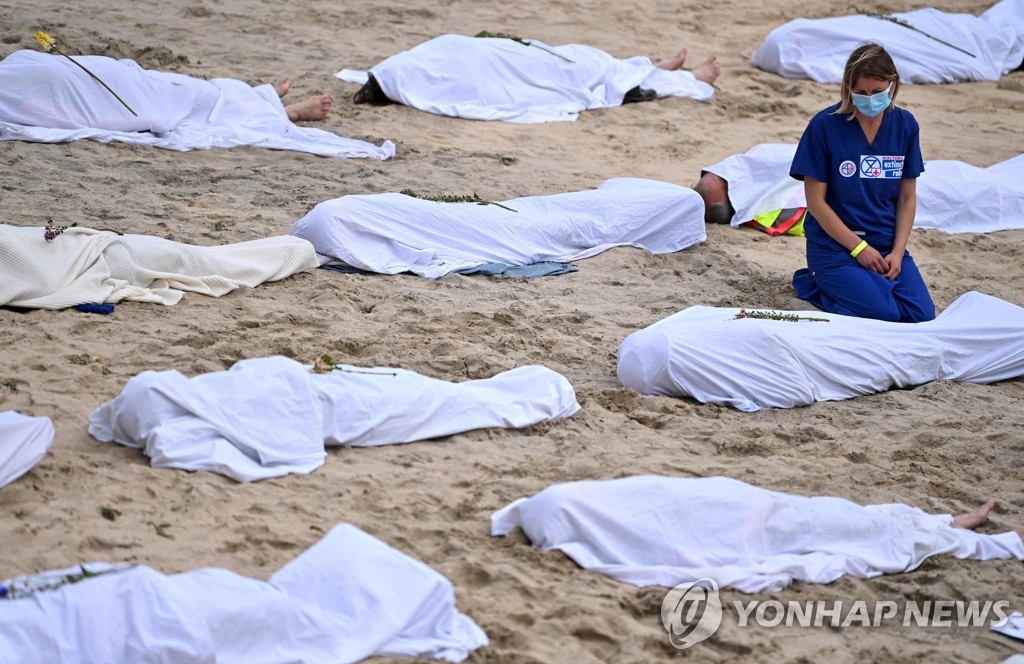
<point>873,105</point>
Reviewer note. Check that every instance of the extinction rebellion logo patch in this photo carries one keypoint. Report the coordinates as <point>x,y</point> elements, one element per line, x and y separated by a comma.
<point>879,167</point>
<point>847,169</point>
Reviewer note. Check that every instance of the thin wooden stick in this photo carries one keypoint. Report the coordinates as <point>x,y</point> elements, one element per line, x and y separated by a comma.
<point>49,43</point>
<point>97,79</point>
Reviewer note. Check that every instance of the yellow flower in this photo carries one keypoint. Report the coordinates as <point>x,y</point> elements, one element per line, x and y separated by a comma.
<point>45,40</point>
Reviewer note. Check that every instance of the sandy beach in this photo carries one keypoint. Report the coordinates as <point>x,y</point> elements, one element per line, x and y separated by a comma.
<point>944,447</point>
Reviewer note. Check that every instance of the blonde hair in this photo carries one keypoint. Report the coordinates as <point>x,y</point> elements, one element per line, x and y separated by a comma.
<point>869,60</point>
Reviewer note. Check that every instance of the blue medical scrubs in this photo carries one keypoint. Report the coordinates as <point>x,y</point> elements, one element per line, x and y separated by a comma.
<point>863,186</point>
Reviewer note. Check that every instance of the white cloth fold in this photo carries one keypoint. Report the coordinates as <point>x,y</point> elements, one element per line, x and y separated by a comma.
<point>45,98</point>
<point>393,233</point>
<point>501,79</point>
<point>707,354</point>
<point>348,597</point>
<point>1014,627</point>
<point>650,530</point>
<point>952,196</point>
<point>817,49</point>
<point>395,602</point>
<point>268,417</point>
<point>24,441</point>
<point>82,265</point>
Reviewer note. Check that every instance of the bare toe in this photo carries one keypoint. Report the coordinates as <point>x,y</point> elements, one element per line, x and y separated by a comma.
<point>283,87</point>
<point>674,62</point>
<point>709,70</point>
<point>315,108</point>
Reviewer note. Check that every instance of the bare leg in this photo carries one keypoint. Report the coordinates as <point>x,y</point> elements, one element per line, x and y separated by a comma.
<point>709,70</point>
<point>975,518</point>
<point>283,87</point>
<point>674,62</point>
<point>315,108</point>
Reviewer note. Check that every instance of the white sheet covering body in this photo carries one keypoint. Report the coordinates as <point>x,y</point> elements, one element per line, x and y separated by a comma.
<point>749,364</point>
<point>348,597</point>
<point>83,265</point>
<point>268,417</point>
<point>501,79</point>
<point>24,441</point>
<point>45,98</point>
<point>817,49</point>
<point>393,233</point>
<point>665,531</point>
<point>952,196</point>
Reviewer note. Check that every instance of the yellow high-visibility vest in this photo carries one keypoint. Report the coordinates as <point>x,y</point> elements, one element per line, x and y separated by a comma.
<point>789,221</point>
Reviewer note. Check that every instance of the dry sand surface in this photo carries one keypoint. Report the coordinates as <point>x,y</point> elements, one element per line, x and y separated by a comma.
<point>945,447</point>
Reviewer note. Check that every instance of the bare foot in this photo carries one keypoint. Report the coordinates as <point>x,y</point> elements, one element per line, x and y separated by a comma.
<point>315,108</point>
<point>975,518</point>
<point>1020,533</point>
<point>709,70</point>
<point>674,62</point>
<point>283,87</point>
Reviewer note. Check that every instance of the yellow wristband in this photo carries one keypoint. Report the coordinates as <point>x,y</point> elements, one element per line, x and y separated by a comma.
<point>859,248</point>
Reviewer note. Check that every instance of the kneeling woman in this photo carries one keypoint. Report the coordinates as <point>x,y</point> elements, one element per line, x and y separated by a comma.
<point>859,160</point>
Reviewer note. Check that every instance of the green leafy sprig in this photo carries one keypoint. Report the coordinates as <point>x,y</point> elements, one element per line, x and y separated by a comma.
<point>326,364</point>
<point>777,315</point>
<point>899,21</point>
<point>520,40</point>
<point>28,586</point>
<point>454,198</point>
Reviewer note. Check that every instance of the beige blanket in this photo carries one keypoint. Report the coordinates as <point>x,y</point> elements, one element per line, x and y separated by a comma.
<point>84,265</point>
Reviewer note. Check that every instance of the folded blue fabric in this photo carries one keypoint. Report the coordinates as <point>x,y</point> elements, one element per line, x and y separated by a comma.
<point>104,309</point>
<point>344,269</point>
<point>531,271</point>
